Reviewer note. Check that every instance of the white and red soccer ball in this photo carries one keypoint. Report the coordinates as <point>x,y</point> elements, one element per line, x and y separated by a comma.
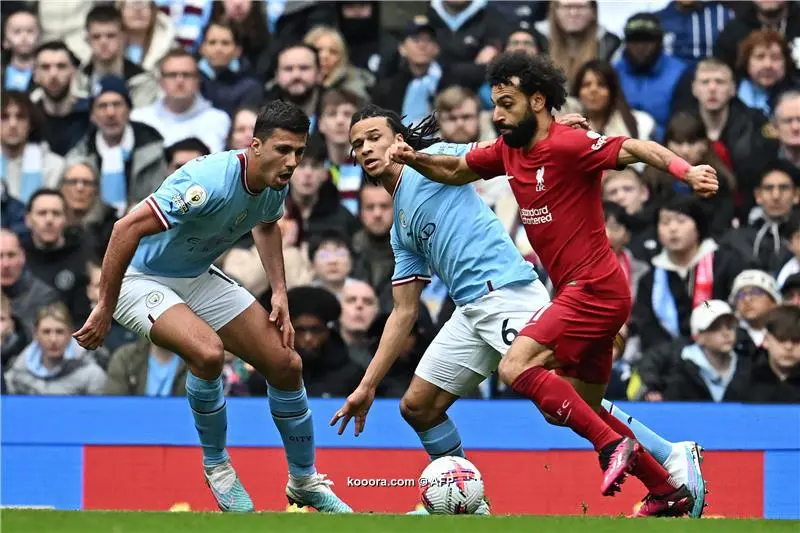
<point>451,485</point>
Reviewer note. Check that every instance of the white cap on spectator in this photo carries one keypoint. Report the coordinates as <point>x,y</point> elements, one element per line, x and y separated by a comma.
<point>755,278</point>
<point>706,313</point>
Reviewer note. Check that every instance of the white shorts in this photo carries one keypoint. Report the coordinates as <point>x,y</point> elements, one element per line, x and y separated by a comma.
<point>212,296</point>
<point>470,345</point>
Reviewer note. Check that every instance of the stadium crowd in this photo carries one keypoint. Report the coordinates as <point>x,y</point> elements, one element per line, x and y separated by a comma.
<point>102,100</point>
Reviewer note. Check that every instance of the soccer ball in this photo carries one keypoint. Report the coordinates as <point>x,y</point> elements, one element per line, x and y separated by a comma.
<point>451,485</point>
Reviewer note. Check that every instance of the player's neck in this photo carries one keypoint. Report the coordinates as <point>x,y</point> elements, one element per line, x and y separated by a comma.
<point>251,177</point>
<point>542,130</point>
<point>391,177</point>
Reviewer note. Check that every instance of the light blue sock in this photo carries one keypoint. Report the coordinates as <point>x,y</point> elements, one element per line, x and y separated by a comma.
<point>652,442</point>
<point>293,417</point>
<point>210,417</point>
<point>442,440</point>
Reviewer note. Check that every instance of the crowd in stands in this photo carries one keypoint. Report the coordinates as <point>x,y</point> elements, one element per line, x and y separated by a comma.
<point>102,100</point>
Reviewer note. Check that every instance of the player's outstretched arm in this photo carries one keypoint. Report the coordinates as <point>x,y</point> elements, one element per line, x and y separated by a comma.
<point>702,178</point>
<point>446,169</point>
<point>397,329</point>
<point>269,243</point>
<point>125,237</point>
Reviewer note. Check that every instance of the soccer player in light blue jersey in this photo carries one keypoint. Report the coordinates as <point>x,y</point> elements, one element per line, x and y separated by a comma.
<point>495,290</point>
<point>158,280</point>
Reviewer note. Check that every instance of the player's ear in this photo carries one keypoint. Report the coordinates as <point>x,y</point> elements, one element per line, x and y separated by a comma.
<point>257,145</point>
<point>398,138</point>
<point>537,102</point>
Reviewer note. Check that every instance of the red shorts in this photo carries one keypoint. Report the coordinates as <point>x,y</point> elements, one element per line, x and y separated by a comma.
<point>580,326</point>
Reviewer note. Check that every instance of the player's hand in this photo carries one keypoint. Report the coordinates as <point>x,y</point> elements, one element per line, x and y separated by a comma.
<point>280,317</point>
<point>357,405</point>
<point>400,152</point>
<point>703,180</point>
<point>96,327</point>
<point>575,120</point>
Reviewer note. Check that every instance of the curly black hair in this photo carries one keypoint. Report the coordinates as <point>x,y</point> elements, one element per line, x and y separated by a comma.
<point>280,115</point>
<point>417,136</point>
<point>537,74</point>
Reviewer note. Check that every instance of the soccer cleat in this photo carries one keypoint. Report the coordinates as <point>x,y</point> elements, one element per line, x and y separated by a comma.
<point>684,466</point>
<point>679,503</point>
<point>227,489</point>
<point>314,491</point>
<point>617,459</point>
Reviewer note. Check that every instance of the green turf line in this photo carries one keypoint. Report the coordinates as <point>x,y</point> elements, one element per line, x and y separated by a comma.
<point>37,521</point>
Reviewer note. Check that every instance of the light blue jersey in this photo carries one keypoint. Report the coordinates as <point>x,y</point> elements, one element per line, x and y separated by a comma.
<point>451,231</point>
<point>205,207</point>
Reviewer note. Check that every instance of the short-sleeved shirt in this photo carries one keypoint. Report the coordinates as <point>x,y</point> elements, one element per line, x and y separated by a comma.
<point>557,187</point>
<point>204,207</point>
<point>452,232</point>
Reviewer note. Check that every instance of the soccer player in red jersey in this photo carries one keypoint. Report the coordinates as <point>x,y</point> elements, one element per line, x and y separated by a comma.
<point>555,172</point>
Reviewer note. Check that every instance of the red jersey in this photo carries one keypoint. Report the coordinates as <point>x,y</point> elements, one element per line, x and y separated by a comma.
<point>557,187</point>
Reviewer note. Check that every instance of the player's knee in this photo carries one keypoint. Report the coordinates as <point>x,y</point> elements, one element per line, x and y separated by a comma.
<point>286,372</point>
<point>418,412</point>
<point>520,357</point>
<point>209,356</point>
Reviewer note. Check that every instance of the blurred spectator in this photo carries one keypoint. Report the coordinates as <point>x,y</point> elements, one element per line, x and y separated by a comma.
<point>411,90</point>
<point>692,27</point>
<point>618,231</point>
<point>130,155</point>
<point>149,34</point>
<point>523,14</point>
<point>26,163</point>
<point>297,80</point>
<point>776,378</point>
<point>332,260</point>
<point>359,309</point>
<point>228,80</point>
<point>20,38</point>
<point>182,112</point>
<point>791,233</point>
<point>458,115</point>
<point>241,134</point>
<point>118,335</point>
<point>765,64</point>
<point>764,235</point>
<point>316,197</point>
<point>249,18</point>
<point>85,210</point>
<point>189,17</point>
<point>336,110</point>
<point>244,263</point>
<point>107,42</point>
<point>737,132</point>
<point>335,67</point>
<point>371,244</point>
<point>470,34</point>
<point>66,117</point>
<point>523,41</point>
<point>626,188</point>
<point>790,290</point>
<point>686,136</point>
<point>64,21</point>
<point>777,15</point>
<point>648,75</point>
<point>327,369</point>
<point>690,269</point>
<point>710,369</point>
<point>13,337</point>
<point>184,151</point>
<point>144,369</point>
<point>12,211</point>
<point>26,292</point>
<point>754,295</point>
<point>787,124</point>
<point>370,46</point>
<point>55,253</point>
<point>575,37</point>
<point>54,364</point>
<point>597,87</point>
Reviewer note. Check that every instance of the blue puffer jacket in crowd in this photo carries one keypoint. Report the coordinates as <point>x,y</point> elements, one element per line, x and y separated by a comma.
<point>651,91</point>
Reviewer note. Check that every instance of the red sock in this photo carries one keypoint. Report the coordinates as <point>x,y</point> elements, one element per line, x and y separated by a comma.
<point>558,399</point>
<point>654,476</point>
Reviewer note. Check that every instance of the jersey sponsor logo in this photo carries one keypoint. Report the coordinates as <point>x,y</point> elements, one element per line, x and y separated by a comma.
<point>540,180</point>
<point>240,218</point>
<point>600,140</point>
<point>179,204</point>
<point>533,217</point>
<point>153,299</point>
<point>196,196</point>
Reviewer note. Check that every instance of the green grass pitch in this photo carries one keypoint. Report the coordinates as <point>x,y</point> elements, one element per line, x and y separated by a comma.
<point>37,521</point>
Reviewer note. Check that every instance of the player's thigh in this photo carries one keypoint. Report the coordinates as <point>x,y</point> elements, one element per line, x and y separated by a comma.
<point>457,360</point>
<point>424,404</point>
<point>152,308</point>
<point>591,374</point>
